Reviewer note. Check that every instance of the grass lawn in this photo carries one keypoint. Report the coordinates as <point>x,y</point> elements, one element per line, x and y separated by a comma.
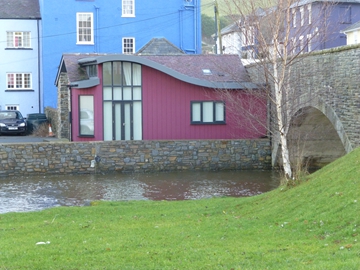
<point>314,225</point>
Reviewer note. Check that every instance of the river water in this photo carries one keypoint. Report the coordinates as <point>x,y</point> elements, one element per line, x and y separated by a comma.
<point>40,192</point>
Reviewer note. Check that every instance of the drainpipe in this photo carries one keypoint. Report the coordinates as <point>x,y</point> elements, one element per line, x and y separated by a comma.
<point>188,7</point>
<point>97,45</point>
<point>39,63</point>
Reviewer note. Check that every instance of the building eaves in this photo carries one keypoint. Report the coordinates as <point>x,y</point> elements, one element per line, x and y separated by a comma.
<point>227,71</point>
<point>351,28</point>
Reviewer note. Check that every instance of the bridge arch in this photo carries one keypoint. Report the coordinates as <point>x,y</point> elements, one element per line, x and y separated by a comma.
<point>316,135</point>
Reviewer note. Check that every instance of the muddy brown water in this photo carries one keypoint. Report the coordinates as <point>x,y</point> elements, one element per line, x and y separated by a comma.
<point>39,192</point>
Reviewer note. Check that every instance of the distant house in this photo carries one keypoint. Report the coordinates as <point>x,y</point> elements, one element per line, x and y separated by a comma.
<point>113,26</point>
<point>318,24</point>
<point>20,75</point>
<point>156,97</point>
<point>314,25</point>
<point>352,33</point>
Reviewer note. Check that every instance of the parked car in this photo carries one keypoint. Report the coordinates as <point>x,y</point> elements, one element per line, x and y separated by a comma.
<point>12,122</point>
<point>34,120</point>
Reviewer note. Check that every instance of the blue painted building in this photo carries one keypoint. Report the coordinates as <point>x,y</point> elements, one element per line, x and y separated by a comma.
<point>20,79</point>
<point>112,26</point>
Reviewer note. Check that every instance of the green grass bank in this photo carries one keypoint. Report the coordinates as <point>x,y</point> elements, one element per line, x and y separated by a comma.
<point>314,225</point>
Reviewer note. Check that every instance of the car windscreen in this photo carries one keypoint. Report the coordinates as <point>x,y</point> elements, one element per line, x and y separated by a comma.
<point>10,115</point>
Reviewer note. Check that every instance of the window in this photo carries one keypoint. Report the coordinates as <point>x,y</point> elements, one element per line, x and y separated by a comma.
<point>18,81</point>
<point>302,18</point>
<point>128,8</point>
<point>91,71</point>
<point>345,15</point>
<point>309,41</point>
<point>122,97</point>
<point>18,39</point>
<point>12,107</point>
<point>207,112</point>
<point>128,45</point>
<point>84,28</point>
<point>301,40</point>
<point>86,115</point>
<point>294,17</point>
<point>309,11</point>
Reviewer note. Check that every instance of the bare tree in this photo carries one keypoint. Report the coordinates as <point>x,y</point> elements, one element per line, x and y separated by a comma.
<point>275,36</point>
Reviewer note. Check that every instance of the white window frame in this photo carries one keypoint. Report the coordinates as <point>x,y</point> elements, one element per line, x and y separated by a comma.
<point>294,17</point>
<point>302,16</point>
<point>309,42</point>
<point>79,16</point>
<point>310,14</point>
<point>14,81</point>
<point>301,41</point>
<point>12,107</point>
<point>125,48</point>
<point>25,37</point>
<point>128,8</point>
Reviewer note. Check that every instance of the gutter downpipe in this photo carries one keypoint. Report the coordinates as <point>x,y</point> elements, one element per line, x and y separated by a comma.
<point>192,7</point>
<point>97,49</point>
<point>39,69</point>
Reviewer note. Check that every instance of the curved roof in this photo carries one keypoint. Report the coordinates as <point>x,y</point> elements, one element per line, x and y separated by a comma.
<point>226,71</point>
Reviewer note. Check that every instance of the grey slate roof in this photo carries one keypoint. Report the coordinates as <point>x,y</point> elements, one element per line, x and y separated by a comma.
<point>19,9</point>
<point>227,71</point>
<point>159,46</point>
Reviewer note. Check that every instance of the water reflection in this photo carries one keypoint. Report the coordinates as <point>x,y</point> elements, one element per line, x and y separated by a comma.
<point>39,192</point>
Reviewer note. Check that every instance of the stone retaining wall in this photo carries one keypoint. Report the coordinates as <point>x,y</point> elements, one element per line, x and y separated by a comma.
<point>133,156</point>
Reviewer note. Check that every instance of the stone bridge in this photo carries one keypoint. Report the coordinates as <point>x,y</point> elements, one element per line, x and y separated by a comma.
<point>324,105</point>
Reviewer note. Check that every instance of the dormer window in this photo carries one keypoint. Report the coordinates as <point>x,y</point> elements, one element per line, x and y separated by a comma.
<point>91,71</point>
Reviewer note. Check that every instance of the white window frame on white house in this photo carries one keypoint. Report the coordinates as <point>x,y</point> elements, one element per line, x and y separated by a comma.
<point>84,33</point>
<point>207,112</point>
<point>128,8</point>
<point>128,45</point>
<point>18,39</point>
<point>18,81</point>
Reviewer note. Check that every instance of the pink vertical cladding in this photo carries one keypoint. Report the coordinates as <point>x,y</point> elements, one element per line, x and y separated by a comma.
<point>167,111</point>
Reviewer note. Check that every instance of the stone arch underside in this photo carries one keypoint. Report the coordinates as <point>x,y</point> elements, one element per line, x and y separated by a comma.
<point>315,135</point>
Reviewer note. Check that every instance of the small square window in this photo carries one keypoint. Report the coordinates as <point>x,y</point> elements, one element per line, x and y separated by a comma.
<point>128,45</point>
